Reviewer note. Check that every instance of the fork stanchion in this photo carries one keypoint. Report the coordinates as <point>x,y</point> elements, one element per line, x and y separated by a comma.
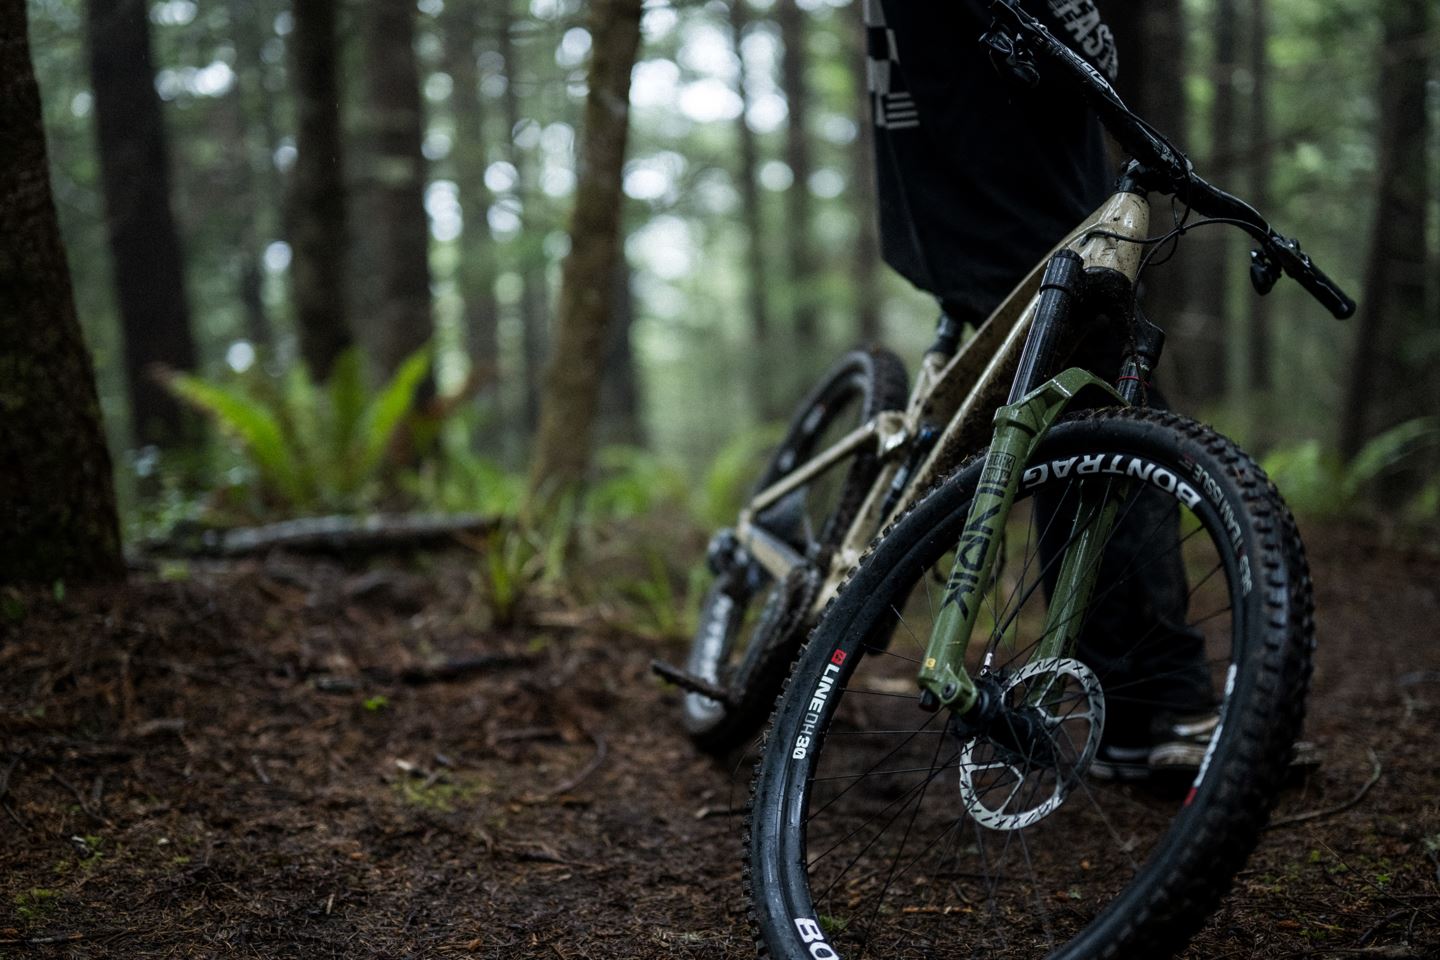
<point>1059,288</point>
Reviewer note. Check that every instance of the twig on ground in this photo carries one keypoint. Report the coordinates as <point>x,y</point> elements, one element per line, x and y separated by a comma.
<point>705,813</point>
<point>80,799</point>
<point>259,770</point>
<point>523,734</point>
<point>1379,925</point>
<point>456,668</point>
<point>1396,952</point>
<point>600,751</point>
<point>5,774</point>
<point>72,937</point>
<point>541,853</point>
<point>184,670</point>
<point>335,534</point>
<point>1375,773</point>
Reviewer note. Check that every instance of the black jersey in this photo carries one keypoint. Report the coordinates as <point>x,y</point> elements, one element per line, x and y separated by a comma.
<point>978,175</point>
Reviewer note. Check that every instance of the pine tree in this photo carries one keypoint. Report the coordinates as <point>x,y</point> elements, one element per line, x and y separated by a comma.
<point>145,247</point>
<point>572,378</point>
<point>58,517</point>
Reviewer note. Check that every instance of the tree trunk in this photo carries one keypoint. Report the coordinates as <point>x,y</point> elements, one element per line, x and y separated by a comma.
<point>58,520</point>
<point>762,385</point>
<point>534,311</point>
<point>253,169</point>
<point>1258,330</point>
<point>318,237</point>
<point>144,244</point>
<point>863,188</point>
<point>803,279</point>
<point>572,378</point>
<point>476,275</point>
<point>1392,376</point>
<point>1150,40</point>
<point>619,388</point>
<point>393,183</point>
<point>1212,249</point>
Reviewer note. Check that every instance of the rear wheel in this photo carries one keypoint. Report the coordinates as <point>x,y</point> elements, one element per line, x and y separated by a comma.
<point>881,830</point>
<point>750,624</point>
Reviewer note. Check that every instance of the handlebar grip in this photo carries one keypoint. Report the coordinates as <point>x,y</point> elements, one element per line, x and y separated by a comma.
<point>1303,271</point>
<point>1331,297</point>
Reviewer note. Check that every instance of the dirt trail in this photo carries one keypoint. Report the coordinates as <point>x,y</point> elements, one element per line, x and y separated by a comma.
<point>260,760</point>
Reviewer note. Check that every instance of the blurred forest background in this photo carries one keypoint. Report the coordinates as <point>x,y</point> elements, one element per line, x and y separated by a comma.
<point>317,190</point>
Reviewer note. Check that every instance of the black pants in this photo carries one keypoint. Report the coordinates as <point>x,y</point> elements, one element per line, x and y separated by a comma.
<point>1135,636</point>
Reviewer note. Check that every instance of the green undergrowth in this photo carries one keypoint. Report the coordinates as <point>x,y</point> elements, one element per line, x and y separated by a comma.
<point>629,550</point>
<point>35,905</point>
<point>1393,477</point>
<point>441,795</point>
<point>309,446</point>
<point>1318,482</point>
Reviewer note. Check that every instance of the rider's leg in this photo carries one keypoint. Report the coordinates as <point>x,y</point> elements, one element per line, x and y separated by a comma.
<point>1136,637</point>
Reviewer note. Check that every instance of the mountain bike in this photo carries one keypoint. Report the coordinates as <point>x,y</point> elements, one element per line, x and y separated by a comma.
<point>930,781</point>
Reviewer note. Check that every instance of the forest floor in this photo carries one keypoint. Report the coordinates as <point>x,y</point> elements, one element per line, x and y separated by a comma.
<point>260,759</point>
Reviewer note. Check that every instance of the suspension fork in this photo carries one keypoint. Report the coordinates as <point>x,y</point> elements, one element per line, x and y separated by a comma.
<point>1020,425</point>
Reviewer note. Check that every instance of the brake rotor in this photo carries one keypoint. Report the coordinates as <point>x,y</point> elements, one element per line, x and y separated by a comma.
<point>1009,786</point>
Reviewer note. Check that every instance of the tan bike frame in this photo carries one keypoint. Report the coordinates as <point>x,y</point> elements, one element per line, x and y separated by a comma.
<point>961,391</point>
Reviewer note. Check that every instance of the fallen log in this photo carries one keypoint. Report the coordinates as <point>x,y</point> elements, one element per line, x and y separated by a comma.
<point>333,534</point>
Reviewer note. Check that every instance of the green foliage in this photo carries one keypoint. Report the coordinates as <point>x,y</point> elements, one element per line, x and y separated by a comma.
<point>506,570</point>
<point>312,446</point>
<point>728,482</point>
<point>12,605</point>
<point>35,904</point>
<point>438,795</point>
<point>462,480</point>
<point>253,425</point>
<point>522,554</point>
<point>653,605</point>
<point>632,482</point>
<point>1317,482</point>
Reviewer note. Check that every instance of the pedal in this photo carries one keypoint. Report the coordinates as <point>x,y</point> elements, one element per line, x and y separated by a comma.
<point>690,682</point>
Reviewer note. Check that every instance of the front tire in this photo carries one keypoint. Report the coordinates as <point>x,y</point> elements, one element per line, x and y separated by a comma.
<point>862,841</point>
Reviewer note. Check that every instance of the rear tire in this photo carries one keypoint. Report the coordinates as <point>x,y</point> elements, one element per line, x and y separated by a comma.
<point>864,837</point>
<point>750,627</point>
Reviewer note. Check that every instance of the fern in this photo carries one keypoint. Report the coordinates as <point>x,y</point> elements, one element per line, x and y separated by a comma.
<point>1318,482</point>
<point>256,427</point>
<point>311,446</point>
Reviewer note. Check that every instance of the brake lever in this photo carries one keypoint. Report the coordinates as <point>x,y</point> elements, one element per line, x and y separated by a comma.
<point>1009,54</point>
<point>1264,271</point>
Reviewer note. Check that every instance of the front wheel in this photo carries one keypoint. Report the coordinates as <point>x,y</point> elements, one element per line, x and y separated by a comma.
<point>878,829</point>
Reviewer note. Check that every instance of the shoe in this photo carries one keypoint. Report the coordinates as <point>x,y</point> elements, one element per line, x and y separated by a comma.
<point>1120,763</point>
<point>1177,749</point>
<point>1176,745</point>
<point>1181,742</point>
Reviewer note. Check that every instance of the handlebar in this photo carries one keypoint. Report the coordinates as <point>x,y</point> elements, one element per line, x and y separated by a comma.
<point>1275,250</point>
<point>1302,269</point>
<point>1166,168</point>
